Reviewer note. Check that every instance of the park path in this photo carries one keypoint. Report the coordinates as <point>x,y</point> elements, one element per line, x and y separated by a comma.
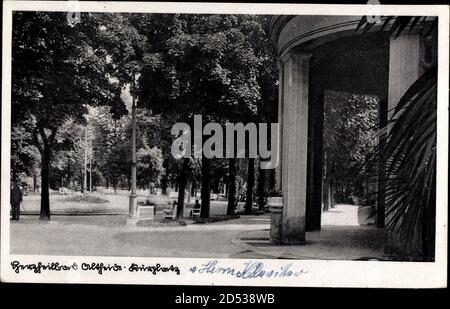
<point>109,236</point>
<point>342,237</point>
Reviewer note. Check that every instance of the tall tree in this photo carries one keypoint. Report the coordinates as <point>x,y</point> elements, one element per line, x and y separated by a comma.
<point>250,186</point>
<point>349,127</point>
<point>209,69</point>
<point>254,29</point>
<point>231,186</point>
<point>57,70</point>
<point>24,155</point>
<point>150,166</point>
<point>261,187</point>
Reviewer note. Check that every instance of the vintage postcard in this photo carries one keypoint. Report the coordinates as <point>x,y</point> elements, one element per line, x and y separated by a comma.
<point>225,144</point>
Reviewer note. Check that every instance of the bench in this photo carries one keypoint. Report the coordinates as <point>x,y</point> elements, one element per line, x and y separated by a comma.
<point>195,212</point>
<point>63,191</point>
<point>255,207</point>
<point>145,212</point>
<point>170,213</point>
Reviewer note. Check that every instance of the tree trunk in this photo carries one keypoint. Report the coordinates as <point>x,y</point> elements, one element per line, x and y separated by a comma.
<point>82,183</point>
<point>272,180</point>
<point>164,180</point>
<point>261,188</point>
<point>189,189</point>
<point>182,182</point>
<point>193,188</point>
<point>45,195</point>
<point>68,174</point>
<point>331,194</point>
<point>326,194</point>
<point>204,211</point>
<point>231,186</point>
<point>250,185</point>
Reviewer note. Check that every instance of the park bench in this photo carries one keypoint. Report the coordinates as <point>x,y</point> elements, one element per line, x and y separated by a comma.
<point>255,207</point>
<point>195,212</point>
<point>145,212</point>
<point>171,213</point>
<point>63,191</point>
<point>236,206</point>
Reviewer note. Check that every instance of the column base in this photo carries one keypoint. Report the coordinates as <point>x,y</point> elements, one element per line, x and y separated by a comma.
<point>276,222</point>
<point>133,208</point>
<point>293,232</point>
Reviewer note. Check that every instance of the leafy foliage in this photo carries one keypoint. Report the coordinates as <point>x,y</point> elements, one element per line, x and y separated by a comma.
<point>410,150</point>
<point>396,25</point>
<point>172,65</point>
<point>57,71</point>
<point>24,156</point>
<point>209,67</point>
<point>410,156</point>
<point>350,123</point>
<point>149,165</point>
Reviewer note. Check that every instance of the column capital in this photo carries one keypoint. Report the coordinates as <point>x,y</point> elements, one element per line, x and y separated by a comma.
<point>295,54</point>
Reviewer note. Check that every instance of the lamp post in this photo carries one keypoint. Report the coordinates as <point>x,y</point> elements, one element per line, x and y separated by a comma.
<point>132,215</point>
<point>85,160</point>
<point>90,166</point>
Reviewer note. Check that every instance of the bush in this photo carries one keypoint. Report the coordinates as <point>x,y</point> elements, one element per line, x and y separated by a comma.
<point>85,199</point>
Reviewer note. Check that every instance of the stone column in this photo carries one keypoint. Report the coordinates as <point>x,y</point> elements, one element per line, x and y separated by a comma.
<point>315,146</point>
<point>404,69</point>
<point>294,144</point>
<point>278,170</point>
<point>404,66</point>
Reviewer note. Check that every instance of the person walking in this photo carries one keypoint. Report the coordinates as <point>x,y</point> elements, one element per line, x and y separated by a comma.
<point>16,200</point>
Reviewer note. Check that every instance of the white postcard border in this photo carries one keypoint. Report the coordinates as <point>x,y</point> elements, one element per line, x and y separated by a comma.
<point>317,272</point>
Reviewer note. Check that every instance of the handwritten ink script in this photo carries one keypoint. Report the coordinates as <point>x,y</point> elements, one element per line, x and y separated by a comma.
<point>248,270</point>
<point>100,268</point>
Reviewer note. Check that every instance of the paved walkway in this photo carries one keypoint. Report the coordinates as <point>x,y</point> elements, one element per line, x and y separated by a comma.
<point>347,233</point>
<point>109,236</point>
<point>245,237</point>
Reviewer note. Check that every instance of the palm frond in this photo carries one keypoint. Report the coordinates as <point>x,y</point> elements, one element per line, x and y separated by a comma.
<point>399,24</point>
<point>409,156</point>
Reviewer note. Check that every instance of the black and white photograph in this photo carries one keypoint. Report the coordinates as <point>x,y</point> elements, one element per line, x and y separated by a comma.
<point>212,143</point>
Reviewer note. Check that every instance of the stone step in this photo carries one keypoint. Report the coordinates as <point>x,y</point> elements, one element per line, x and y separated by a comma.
<point>255,238</point>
